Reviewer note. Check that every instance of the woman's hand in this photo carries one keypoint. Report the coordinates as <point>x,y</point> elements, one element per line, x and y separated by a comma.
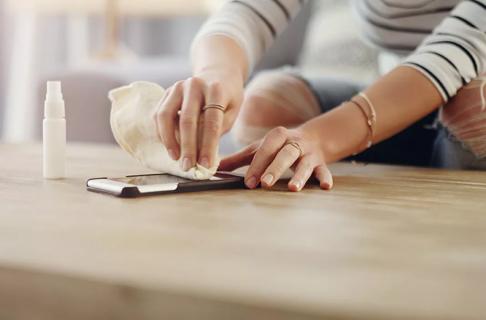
<point>278,151</point>
<point>185,129</point>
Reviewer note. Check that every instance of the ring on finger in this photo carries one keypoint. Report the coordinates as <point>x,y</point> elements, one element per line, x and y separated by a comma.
<point>214,106</point>
<point>297,146</point>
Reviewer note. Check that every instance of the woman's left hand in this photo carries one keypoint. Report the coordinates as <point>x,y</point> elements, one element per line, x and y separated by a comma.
<point>278,151</point>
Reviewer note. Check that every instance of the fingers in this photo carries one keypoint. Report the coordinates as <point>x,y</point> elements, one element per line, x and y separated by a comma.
<point>272,143</point>
<point>188,121</point>
<point>324,176</point>
<point>272,156</point>
<point>229,118</point>
<point>166,119</point>
<point>212,126</point>
<point>303,172</point>
<point>240,158</point>
<point>284,160</point>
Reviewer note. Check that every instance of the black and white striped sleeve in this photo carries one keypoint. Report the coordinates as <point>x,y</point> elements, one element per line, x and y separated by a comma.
<point>455,53</point>
<point>253,24</point>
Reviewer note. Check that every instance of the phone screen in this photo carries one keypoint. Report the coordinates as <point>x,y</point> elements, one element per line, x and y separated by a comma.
<point>155,179</point>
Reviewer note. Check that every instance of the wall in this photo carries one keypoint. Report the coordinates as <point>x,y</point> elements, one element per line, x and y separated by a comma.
<point>2,64</point>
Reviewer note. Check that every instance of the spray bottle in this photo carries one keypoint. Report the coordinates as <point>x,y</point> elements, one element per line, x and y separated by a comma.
<point>54,132</point>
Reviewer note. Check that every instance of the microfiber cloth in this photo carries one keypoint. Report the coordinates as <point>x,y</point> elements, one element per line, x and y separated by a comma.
<point>134,128</point>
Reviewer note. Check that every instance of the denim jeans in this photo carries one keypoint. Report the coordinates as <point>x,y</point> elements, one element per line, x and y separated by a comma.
<point>450,153</point>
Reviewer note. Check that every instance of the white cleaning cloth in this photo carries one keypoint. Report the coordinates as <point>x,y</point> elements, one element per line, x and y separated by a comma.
<point>134,128</point>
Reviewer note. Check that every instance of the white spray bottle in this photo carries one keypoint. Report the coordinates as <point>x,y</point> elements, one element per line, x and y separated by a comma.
<point>54,133</point>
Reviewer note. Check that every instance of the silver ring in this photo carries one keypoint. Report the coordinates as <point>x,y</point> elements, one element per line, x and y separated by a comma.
<point>296,145</point>
<point>214,106</point>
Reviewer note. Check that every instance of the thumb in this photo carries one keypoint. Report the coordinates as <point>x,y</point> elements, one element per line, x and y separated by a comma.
<point>240,158</point>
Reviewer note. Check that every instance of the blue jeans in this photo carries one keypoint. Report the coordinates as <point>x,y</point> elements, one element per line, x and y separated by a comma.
<point>421,144</point>
<point>450,153</point>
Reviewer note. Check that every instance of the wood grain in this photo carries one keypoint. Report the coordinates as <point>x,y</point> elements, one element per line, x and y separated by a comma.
<point>387,243</point>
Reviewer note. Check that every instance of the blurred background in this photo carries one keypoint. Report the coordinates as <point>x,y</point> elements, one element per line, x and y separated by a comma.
<point>93,46</point>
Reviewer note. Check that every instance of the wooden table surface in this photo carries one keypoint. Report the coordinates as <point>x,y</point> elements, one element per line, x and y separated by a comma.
<point>387,243</point>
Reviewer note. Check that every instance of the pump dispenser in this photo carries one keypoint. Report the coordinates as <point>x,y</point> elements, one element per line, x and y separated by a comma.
<point>54,132</point>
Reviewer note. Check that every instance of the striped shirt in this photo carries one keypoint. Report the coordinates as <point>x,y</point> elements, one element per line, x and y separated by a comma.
<point>444,39</point>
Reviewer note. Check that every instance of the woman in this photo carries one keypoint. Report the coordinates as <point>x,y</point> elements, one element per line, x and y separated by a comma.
<point>295,122</point>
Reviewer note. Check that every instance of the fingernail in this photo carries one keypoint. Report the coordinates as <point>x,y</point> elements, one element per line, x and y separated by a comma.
<point>172,154</point>
<point>296,184</point>
<point>186,164</point>
<point>251,182</point>
<point>268,179</point>
<point>204,162</point>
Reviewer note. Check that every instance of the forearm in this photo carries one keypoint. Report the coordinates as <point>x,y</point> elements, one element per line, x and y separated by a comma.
<point>400,98</point>
<point>219,54</point>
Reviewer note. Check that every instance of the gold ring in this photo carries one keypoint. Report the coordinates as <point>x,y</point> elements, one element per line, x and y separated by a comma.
<point>296,145</point>
<point>214,106</point>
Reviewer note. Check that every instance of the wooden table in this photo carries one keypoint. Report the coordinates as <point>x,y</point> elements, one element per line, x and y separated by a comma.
<point>387,243</point>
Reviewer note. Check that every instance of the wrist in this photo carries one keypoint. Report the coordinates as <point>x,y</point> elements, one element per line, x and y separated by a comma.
<point>220,74</point>
<point>311,132</point>
<point>218,54</point>
<point>338,133</point>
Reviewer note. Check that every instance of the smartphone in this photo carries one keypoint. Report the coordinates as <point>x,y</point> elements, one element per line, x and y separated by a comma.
<point>155,184</point>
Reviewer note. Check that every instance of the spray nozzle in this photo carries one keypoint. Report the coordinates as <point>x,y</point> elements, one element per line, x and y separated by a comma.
<point>54,106</point>
<point>54,91</point>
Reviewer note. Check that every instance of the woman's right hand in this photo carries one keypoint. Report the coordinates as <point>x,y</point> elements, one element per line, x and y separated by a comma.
<point>185,129</point>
